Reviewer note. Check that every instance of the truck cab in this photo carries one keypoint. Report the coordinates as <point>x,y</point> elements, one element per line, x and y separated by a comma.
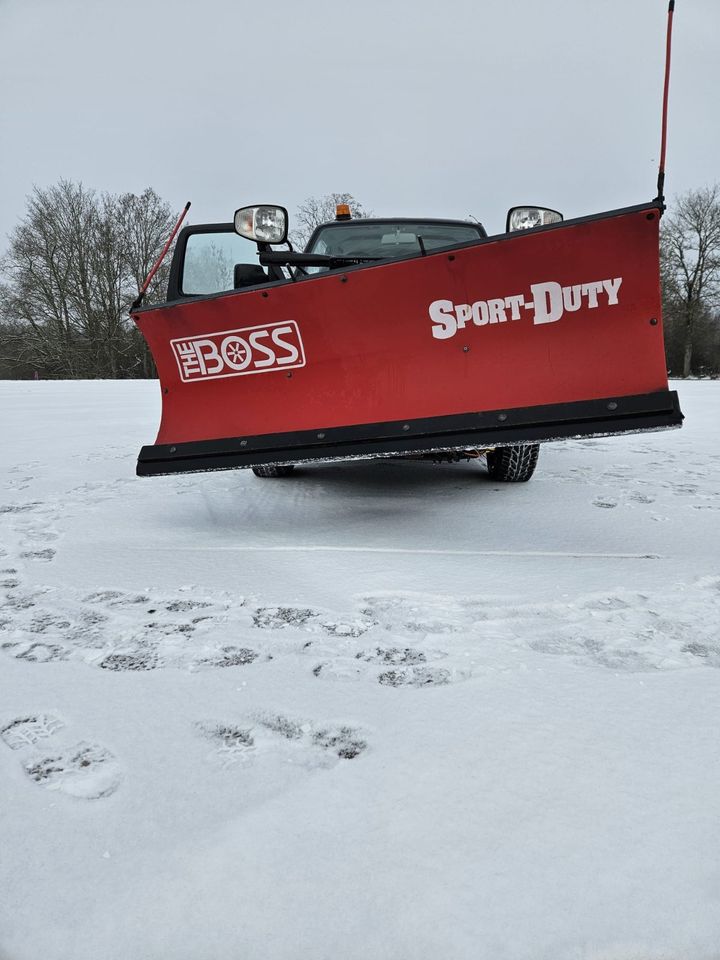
<point>213,258</point>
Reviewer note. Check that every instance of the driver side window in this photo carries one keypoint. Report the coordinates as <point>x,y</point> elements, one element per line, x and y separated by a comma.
<point>210,260</point>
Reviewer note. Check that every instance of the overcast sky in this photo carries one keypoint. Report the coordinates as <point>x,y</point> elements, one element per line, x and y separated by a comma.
<point>442,108</point>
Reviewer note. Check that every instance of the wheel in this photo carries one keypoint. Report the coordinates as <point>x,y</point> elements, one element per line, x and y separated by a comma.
<point>274,470</point>
<point>514,464</point>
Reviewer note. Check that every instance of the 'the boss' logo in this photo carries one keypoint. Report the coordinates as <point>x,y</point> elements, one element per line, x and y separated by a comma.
<point>234,353</point>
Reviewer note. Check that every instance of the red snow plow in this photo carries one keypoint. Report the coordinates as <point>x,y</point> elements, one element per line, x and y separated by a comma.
<point>408,338</point>
<point>391,337</point>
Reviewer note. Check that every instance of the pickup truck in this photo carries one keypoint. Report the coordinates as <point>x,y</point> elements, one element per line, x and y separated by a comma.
<point>404,337</point>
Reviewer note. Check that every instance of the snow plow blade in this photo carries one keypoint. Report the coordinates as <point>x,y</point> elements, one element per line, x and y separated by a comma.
<point>532,336</point>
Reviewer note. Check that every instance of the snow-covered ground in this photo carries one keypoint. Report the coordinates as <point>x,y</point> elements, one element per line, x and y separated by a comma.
<point>379,711</point>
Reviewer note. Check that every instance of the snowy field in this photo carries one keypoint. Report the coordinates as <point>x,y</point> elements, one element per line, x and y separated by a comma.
<point>379,711</point>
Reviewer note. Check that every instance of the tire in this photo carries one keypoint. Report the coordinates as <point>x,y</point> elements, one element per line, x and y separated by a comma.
<point>273,471</point>
<point>514,464</point>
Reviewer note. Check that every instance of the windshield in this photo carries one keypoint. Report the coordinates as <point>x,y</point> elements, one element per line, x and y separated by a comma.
<point>386,239</point>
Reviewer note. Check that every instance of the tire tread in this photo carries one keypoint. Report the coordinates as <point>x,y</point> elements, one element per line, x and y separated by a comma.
<point>273,471</point>
<point>514,464</point>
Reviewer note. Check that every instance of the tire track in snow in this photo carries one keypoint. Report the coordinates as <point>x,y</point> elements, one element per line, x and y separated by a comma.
<point>410,551</point>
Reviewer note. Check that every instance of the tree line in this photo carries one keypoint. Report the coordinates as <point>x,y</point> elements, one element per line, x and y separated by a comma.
<point>690,280</point>
<point>77,259</point>
<point>74,264</point>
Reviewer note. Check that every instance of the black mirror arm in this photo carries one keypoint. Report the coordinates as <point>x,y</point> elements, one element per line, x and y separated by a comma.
<point>270,258</point>
<point>274,266</point>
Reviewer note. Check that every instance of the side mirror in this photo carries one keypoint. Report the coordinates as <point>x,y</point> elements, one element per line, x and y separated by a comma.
<point>525,218</point>
<point>263,224</point>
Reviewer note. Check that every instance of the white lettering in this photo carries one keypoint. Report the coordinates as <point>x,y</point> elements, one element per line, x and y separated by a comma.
<point>189,359</point>
<point>496,308</point>
<point>255,339</point>
<point>549,303</point>
<point>513,304</point>
<point>234,353</point>
<point>611,288</point>
<point>480,313</point>
<point>441,314</point>
<point>212,354</point>
<point>547,298</point>
<point>591,290</point>
<point>572,298</point>
<point>463,312</point>
<point>293,352</point>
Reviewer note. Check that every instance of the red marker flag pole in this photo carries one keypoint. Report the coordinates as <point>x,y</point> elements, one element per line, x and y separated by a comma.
<point>139,299</point>
<point>663,145</point>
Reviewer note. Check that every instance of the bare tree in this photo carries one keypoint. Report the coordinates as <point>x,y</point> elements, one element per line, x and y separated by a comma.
<point>75,263</point>
<point>317,210</point>
<point>690,272</point>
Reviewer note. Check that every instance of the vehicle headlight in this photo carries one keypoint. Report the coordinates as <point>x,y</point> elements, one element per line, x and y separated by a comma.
<point>264,224</point>
<point>525,218</point>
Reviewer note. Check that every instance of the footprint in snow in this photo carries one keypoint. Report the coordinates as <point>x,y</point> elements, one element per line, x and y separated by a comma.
<point>8,578</point>
<point>182,606</point>
<point>393,655</point>
<point>289,739</point>
<point>611,603</point>
<point>41,536</point>
<point>19,483</point>
<point>233,744</point>
<point>409,667</point>
<point>415,677</point>
<point>277,618</point>
<point>607,503</point>
<point>45,554</point>
<point>36,652</point>
<point>413,614</point>
<point>280,618</point>
<point>708,653</point>
<point>28,730</point>
<point>88,771</point>
<point>47,621</point>
<point>115,598</point>
<point>32,522</point>
<point>353,627</point>
<point>684,489</point>
<point>230,657</point>
<point>641,498</point>
<point>344,742</point>
<point>119,631</point>
<point>20,601</point>
<point>138,660</point>
<point>15,508</point>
